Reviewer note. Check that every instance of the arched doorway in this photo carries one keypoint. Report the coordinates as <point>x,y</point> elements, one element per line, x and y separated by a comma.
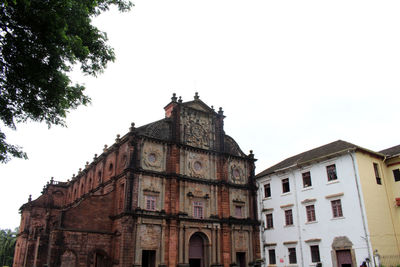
<point>198,253</point>
<point>99,258</point>
<point>343,252</point>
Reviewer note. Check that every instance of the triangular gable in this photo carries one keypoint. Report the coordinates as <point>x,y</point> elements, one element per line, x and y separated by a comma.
<point>199,105</point>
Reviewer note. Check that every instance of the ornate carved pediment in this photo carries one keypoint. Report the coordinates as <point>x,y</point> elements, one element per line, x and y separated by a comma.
<point>197,129</point>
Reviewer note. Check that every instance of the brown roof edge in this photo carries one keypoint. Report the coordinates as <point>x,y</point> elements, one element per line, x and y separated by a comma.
<point>338,147</point>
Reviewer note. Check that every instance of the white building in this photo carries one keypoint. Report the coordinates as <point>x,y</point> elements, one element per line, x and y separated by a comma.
<point>312,210</point>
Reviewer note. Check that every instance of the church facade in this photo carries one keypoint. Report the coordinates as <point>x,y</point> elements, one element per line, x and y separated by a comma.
<point>175,192</point>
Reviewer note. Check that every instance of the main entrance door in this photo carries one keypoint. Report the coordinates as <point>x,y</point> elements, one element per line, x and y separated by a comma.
<point>196,251</point>
<point>344,258</point>
<point>148,258</point>
<point>241,259</point>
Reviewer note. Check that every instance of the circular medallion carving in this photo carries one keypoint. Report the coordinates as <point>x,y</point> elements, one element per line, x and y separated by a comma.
<point>198,130</point>
<point>152,157</point>
<point>197,166</point>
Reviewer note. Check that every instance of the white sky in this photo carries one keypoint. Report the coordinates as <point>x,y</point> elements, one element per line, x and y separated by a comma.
<point>290,76</point>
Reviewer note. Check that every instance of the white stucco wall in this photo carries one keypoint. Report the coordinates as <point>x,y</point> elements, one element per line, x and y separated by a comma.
<point>326,227</point>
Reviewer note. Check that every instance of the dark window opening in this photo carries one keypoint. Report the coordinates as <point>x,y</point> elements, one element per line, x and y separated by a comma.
<point>292,256</point>
<point>148,258</point>
<point>310,213</point>
<point>267,190</point>
<point>377,176</point>
<point>285,185</point>
<point>396,174</point>
<point>270,222</point>
<point>288,217</point>
<point>241,259</point>
<point>271,256</point>
<point>337,208</point>
<point>315,253</point>
<point>306,179</point>
<point>331,172</point>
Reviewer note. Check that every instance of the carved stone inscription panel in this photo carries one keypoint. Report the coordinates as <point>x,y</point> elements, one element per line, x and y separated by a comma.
<point>197,130</point>
<point>237,171</point>
<point>241,240</point>
<point>153,157</point>
<point>150,236</point>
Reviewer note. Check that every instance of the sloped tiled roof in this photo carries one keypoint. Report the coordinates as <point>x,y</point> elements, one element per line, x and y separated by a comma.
<point>391,151</point>
<point>319,152</point>
<point>160,129</point>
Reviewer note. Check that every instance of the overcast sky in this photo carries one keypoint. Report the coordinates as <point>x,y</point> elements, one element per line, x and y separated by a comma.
<point>289,75</point>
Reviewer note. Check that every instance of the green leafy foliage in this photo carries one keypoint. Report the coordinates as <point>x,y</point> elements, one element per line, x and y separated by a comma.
<point>7,246</point>
<point>40,41</point>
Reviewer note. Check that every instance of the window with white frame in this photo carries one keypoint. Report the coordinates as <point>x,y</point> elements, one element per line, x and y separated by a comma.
<point>150,202</point>
<point>198,209</point>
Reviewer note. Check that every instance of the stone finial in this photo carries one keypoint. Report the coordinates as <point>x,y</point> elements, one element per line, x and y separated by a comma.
<point>251,155</point>
<point>30,198</point>
<point>132,129</point>
<point>87,164</point>
<point>212,107</point>
<point>196,96</point>
<point>105,148</point>
<point>118,138</point>
<point>220,111</point>
<point>80,170</point>
<point>180,99</point>
<point>173,98</point>
<point>51,180</point>
<point>95,157</point>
